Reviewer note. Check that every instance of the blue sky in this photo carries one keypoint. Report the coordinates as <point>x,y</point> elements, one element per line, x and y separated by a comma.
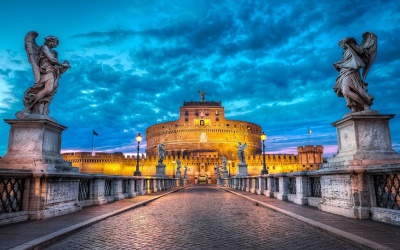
<point>133,63</point>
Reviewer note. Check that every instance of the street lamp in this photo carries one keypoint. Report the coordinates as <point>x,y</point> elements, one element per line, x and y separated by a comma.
<point>229,169</point>
<point>142,164</point>
<point>173,169</point>
<point>264,169</point>
<point>138,139</point>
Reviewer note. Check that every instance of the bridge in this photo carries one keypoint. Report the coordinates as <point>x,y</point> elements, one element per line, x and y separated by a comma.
<point>200,217</point>
<point>351,201</point>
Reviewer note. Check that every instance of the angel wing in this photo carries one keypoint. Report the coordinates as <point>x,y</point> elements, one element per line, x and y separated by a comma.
<point>33,51</point>
<point>370,46</point>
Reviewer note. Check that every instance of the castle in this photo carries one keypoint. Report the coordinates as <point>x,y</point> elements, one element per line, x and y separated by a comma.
<point>199,138</point>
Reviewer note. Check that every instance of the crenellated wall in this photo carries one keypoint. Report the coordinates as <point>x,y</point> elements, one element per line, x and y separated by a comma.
<point>308,158</point>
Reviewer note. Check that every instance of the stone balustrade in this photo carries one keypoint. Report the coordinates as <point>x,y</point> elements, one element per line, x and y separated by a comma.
<point>25,195</point>
<point>369,193</point>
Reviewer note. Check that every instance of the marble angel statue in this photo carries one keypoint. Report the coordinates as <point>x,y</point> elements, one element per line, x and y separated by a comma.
<point>47,71</point>
<point>178,162</point>
<point>350,83</point>
<point>223,163</point>
<point>161,153</point>
<point>241,149</point>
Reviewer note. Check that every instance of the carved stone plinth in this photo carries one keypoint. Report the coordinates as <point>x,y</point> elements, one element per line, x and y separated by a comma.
<point>35,144</point>
<point>178,174</point>
<point>225,174</point>
<point>365,138</point>
<point>160,170</point>
<point>364,143</point>
<point>242,170</point>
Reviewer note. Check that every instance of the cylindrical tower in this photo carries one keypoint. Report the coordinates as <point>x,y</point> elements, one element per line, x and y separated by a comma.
<point>203,130</point>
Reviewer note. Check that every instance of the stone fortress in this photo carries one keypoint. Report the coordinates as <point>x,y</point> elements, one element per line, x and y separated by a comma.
<point>199,138</point>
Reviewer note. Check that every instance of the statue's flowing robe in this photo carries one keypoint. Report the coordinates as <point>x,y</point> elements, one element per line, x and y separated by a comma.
<point>49,72</point>
<point>241,154</point>
<point>349,74</point>
<point>161,153</point>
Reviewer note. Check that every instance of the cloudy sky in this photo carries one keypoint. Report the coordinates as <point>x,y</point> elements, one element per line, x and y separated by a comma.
<point>133,63</point>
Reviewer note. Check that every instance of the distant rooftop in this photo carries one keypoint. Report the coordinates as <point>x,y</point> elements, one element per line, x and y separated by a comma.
<point>211,103</point>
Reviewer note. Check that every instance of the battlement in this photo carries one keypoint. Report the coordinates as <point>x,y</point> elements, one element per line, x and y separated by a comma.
<point>151,160</point>
<point>97,155</point>
<point>310,148</point>
<point>208,104</point>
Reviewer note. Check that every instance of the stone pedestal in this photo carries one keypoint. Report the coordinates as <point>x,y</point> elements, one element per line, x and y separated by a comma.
<point>35,144</point>
<point>366,138</point>
<point>224,174</point>
<point>242,170</point>
<point>178,174</point>
<point>364,142</point>
<point>160,170</point>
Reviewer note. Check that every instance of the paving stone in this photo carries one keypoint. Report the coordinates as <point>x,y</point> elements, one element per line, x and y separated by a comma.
<point>201,217</point>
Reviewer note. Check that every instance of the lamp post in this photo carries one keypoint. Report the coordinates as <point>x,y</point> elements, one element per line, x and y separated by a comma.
<point>229,169</point>
<point>137,172</point>
<point>264,169</point>
<point>173,169</point>
<point>142,165</point>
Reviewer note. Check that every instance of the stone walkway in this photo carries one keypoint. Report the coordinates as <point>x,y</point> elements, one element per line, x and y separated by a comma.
<point>201,217</point>
<point>35,234</point>
<point>368,233</point>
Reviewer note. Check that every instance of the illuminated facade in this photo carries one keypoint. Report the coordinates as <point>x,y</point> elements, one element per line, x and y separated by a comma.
<point>308,158</point>
<point>202,130</point>
<point>200,137</point>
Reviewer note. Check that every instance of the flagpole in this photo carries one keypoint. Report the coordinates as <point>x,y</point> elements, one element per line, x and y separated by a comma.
<point>92,141</point>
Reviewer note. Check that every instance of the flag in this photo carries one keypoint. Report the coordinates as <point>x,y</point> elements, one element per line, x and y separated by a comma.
<point>309,130</point>
<point>95,133</point>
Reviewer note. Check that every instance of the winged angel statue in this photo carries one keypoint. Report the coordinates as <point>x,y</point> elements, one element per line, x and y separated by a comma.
<point>349,83</point>
<point>47,70</point>
<point>241,149</point>
<point>161,153</point>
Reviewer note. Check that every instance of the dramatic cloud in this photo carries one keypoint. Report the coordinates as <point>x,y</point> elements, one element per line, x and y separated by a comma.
<point>134,63</point>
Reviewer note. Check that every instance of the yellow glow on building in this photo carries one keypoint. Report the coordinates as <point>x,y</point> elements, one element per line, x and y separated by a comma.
<point>202,122</point>
<point>199,138</point>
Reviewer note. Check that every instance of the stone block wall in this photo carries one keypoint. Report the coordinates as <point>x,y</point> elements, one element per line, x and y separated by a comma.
<point>372,192</point>
<point>45,195</point>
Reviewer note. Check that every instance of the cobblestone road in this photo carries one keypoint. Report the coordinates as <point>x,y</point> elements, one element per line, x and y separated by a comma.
<point>201,217</point>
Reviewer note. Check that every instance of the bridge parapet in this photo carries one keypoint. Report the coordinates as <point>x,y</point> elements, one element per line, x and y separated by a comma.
<point>363,193</point>
<point>44,195</point>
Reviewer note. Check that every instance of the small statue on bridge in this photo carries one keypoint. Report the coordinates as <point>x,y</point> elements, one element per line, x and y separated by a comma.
<point>224,163</point>
<point>185,172</point>
<point>161,153</point>
<point>47,70</point>
<point>178,162</point>
<point>349,83</point>
<point>241,149</point>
